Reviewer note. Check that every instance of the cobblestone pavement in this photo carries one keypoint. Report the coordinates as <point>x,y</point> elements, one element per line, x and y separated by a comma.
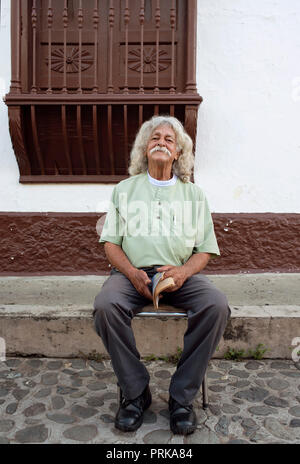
<point>75,401</point>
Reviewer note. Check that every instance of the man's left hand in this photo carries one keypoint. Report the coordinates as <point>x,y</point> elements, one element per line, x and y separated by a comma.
<point>178,273</point>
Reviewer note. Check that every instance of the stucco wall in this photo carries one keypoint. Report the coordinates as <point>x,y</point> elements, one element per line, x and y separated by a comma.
<point>248,156</point>
<point>248,144</point>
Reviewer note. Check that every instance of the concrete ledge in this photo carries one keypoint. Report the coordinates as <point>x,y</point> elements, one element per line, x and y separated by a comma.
<point>69,331</point>
<point>241,289</point>
<point>46,316</point>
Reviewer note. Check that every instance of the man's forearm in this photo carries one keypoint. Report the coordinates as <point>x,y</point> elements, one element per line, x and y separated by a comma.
<point>196,263</point>
<point>118,258</point>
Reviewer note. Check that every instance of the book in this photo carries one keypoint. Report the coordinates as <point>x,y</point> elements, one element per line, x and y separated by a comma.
<point>159,284</point>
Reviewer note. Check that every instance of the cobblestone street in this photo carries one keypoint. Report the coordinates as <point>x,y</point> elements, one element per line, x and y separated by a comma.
<point>75,400</point>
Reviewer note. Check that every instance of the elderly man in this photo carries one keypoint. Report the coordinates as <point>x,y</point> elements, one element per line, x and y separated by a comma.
<point>159,221</point>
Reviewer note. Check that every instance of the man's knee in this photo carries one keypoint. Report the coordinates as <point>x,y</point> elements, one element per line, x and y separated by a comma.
<point>102,308</point>
<point>109,307</point>
<point>103,314</point>
<point>98,302</point>
<point>219,305</point>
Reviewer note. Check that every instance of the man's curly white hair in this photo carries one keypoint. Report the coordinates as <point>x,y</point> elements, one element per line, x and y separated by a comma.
<point>182,167</point>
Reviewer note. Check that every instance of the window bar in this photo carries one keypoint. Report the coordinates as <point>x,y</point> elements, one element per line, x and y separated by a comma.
<point>96,22</point>
<point>111,17</point>
<point>36,141</point>
<point>110,140</point>
<point>126,21</point>
<point>65,136</point>
<point>142,19</point>
<point>140,115</point>
<point>15,85</point>
<point>172,108</point>
<point>80,26</point>
<point>50,22</point>
<point>173,21</point>
<point>126,153</point>
<point>65,24</point>
<point>156,110</point>
<point>96,138</point>
<point>79,132</point>
<point>191,86</point>
<point>157,23</point>
<point>33,22</point>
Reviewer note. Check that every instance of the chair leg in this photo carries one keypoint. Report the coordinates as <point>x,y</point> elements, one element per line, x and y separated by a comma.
<point>204,393</point>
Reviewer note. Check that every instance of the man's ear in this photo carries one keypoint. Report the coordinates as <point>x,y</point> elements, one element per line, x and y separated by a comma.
<point>177,155</point>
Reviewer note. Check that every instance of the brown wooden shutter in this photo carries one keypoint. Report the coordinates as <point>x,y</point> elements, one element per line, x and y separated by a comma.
<point>87,73</point>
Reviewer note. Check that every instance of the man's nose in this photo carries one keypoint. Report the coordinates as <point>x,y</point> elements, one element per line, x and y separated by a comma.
<point>161,142</point>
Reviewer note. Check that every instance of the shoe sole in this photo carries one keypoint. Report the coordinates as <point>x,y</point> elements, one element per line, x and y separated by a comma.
<point>132,428</point>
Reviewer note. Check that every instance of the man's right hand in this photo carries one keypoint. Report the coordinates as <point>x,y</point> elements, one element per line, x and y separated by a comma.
<point>137,277</point>
<point>140,281</point>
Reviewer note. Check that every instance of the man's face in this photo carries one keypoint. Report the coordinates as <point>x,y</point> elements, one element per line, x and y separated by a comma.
<point>163,137</point>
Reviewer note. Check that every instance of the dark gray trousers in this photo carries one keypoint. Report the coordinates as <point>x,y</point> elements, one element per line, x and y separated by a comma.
<point>118,302</point>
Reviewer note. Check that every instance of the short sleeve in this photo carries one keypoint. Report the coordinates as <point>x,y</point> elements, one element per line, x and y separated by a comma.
<point>113,226</point>
<point>206,241</point>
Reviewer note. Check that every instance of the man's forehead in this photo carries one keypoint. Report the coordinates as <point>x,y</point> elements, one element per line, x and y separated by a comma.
<point>167,130</point>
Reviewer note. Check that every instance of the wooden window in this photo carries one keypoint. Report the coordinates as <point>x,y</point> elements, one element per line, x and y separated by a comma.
<point>87,73</point>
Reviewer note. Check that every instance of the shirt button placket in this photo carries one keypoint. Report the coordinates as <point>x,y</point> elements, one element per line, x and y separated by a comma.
<point>159,202</point>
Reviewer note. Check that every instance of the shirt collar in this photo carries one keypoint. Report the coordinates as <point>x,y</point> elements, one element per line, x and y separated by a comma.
<point>162,183</point>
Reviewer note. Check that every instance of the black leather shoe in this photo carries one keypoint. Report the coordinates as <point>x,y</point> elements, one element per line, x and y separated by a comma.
<point>130,414</point>
<point>183,420</point>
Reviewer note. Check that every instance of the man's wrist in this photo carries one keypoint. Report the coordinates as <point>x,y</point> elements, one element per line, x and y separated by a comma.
<point>130,272</point>
<point>196,263</point>
<point>187,271</point>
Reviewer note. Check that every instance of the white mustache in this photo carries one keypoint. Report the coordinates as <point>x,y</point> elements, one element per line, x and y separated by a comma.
<point>158,148</point>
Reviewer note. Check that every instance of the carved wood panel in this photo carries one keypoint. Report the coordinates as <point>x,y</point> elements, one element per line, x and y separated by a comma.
<point>51,52</point>
<point>87,73</point>
<point>72,37</point>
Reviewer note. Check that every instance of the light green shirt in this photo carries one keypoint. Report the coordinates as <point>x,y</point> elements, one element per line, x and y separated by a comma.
<point>159,224</point>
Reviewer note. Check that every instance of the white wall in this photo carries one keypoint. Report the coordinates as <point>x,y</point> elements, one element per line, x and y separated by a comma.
<point>40,197</point>
<point>248,144</point>
<point>248,69</point>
